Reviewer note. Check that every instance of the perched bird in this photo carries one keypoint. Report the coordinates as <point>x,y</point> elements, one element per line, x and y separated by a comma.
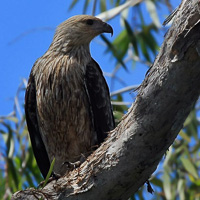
<point>67,102</point>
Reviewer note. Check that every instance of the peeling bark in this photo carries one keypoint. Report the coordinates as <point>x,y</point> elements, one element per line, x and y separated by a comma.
<point>131,153</point>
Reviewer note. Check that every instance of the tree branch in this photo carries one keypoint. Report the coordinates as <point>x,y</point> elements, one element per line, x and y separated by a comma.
<point>110,14</point>
<point>131,153</point>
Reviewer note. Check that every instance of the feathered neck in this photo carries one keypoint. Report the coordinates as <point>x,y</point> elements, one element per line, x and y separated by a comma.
<point>71,48</point>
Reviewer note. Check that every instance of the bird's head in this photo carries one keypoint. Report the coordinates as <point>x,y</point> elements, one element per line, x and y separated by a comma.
<point>80,30</point>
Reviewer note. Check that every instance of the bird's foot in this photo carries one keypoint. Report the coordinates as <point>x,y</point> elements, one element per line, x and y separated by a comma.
<point>55,176</point>
<point>72,165</point>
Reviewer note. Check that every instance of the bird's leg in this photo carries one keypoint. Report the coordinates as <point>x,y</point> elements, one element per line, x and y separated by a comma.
<point>55,176</point>
<point>73,165</point>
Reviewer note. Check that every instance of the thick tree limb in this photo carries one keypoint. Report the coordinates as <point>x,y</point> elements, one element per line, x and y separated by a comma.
<point>133,150</point>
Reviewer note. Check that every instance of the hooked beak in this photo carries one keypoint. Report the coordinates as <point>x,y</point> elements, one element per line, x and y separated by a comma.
<point>107,28</point>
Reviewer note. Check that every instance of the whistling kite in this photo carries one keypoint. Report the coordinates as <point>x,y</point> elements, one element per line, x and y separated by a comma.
<point>67,102</point>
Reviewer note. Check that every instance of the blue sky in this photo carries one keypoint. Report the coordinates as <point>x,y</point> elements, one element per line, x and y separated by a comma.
<point>27,29</point>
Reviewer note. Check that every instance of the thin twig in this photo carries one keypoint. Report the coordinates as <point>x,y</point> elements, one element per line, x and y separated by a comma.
<point>22,35</point>
<point>120,103</point>
<point>94,7</point>
<point>123,90</point>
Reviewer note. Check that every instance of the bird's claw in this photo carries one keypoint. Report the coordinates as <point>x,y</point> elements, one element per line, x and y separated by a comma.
<point>55,176</point>
<point>72,165</point>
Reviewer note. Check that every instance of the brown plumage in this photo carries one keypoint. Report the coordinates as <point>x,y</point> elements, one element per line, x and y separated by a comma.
<point>67,103</point>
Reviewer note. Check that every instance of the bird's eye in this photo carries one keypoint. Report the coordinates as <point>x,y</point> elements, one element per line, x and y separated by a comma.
<point>89,21</point>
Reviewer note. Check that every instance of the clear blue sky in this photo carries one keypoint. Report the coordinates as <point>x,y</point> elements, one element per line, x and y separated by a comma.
<point>27,29</point>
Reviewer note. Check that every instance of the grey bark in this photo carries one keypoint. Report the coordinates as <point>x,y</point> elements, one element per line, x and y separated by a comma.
<point>125,161</point>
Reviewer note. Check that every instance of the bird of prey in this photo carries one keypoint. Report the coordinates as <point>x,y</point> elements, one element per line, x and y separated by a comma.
<point>67,103</point>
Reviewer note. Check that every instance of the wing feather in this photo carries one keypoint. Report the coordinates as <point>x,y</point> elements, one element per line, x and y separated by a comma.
<point>99,98</point>
<point>39,149</point>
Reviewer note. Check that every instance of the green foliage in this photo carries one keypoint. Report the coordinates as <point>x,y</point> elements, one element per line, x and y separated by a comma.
<point>119,111</point>
<point>49,172</point>
<point>18,166</point>
<point>118,53</point>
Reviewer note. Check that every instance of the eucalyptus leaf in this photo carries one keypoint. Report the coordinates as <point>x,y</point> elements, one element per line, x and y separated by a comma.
<point>151,7</point>
<point>167,185</point>
<point>49,172</point>
<point>189,166</point>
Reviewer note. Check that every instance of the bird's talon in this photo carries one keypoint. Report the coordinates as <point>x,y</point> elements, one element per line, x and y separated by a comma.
<point>55,176</point>
<point>71,165</point>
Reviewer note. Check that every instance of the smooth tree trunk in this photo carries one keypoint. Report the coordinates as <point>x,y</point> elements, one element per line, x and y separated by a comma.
<point>131,153</point>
